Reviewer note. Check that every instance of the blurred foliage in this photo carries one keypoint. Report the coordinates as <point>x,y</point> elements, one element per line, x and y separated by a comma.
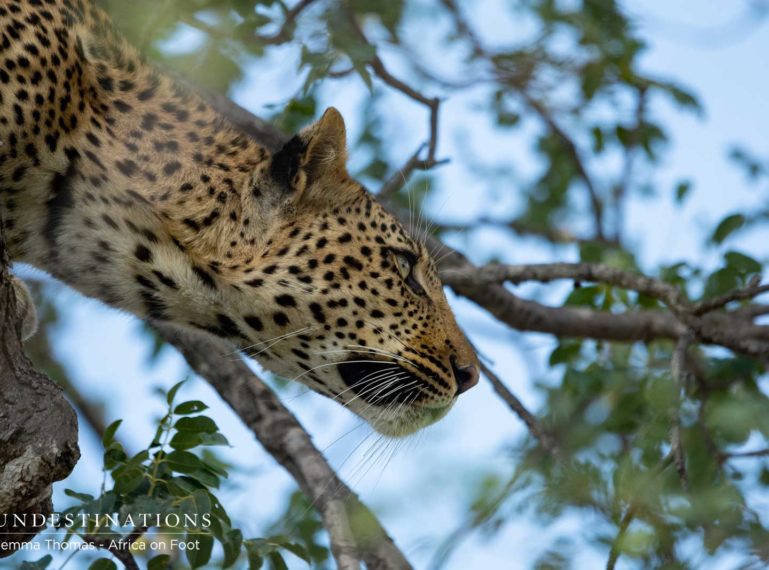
<point>570,83</point>
<point>172,487</point>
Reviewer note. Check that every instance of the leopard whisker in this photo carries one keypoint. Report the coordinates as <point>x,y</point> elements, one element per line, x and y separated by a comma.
<point>326,365</point>
<point>376,375</point>
<point>279,337</point>
<point>387,379</point>
<point>383,351</point>
<point>274,341</point>
<point>371,350</point>
<point>357,426</point>
<point>391,390</point>
<point>377,391</point>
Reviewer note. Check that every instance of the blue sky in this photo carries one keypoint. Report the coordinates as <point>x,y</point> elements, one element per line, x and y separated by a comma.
<point>419,495</point>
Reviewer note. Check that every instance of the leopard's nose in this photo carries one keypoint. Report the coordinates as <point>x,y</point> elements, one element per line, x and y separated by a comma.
<point>466,376</point>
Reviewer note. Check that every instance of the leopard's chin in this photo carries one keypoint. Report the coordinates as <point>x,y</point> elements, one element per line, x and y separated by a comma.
<point>409,421</point>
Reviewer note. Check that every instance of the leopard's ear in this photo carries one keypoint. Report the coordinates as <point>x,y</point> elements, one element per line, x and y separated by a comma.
<point>317,153</point>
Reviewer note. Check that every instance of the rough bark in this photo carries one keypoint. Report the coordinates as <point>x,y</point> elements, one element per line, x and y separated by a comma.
<point>38,430</point>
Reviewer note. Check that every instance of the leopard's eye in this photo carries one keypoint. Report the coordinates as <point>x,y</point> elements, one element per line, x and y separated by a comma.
<point>405,262</point>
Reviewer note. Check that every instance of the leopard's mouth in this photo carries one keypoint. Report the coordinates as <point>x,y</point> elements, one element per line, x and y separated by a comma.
<point>380,383</point>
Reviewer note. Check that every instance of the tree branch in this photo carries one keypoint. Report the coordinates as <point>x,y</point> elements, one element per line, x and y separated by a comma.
<point>747,339</point>
<point>38,427</point>
<point>547,272</point>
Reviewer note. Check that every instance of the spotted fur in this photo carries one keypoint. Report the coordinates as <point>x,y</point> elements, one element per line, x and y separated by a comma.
<point>133,190</point>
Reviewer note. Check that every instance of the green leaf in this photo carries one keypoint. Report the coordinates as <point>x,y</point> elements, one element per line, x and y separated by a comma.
<point>565,352</point>
<point>183,461</point>
<point>172,392</point>
<point>684,98</point>
<point>199,503</point>
<point>726,227</point>
<point>682,191</point>
<point>182,486</point>
<point>109,433</point>
<point>742,262</point>
<point>276,561</point>
<point>753,167</point>
<point>255,560</point>
<point>200,556</point>
<point>191,407</point>
<point>143,504</point>
<point>592,78</point>
<point>127,479</point>
<point>84,497</point>
<point>198,424</point>
<point>583,296</point>
<point>206,478</point>
<point>102,564</point>
<point>598,140</point>
<point>232,545</point>
<point>389,13</point>
<point>186,440</point>
<point>139,458</point>
<point>360,69</point>
<point>212,439</point>
<point>114,456</point>
<point>721,281</point>
<point>160,562</point>
<point>215,468</point>
<point>297,550</point>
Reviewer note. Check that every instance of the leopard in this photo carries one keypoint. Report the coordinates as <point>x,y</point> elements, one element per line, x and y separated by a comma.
<point>127,185</point>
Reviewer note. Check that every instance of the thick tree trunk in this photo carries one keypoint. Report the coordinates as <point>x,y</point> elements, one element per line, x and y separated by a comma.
<point>38,430</point>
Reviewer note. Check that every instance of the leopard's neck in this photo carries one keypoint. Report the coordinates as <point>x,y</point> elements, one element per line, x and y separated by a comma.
<point>139,181</point>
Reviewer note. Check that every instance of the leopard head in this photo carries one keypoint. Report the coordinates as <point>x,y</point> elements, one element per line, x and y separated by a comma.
<point>355,307</point>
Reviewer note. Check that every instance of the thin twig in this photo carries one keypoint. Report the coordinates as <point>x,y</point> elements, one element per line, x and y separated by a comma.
<point>121,553</point>
<point>678,369</point>
<point>400,177</point>
<point>615,546</point>
<point>432,103</point>
<point>574,154</point>
<point>752,290</point>
<point>755,453</point>
<point>533,425</point>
